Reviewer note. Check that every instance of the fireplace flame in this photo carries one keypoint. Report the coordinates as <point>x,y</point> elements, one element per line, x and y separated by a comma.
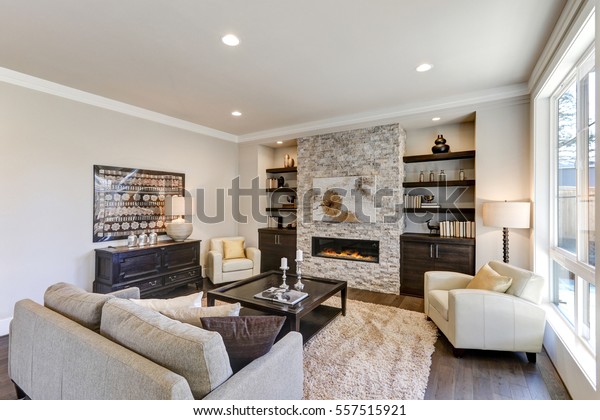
<point>349,254</point>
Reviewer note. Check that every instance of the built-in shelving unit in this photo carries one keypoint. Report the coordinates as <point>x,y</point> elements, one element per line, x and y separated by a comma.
<point>421,252</point>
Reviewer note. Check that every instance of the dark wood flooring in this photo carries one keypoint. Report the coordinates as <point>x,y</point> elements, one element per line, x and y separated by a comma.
<point>478,375</point>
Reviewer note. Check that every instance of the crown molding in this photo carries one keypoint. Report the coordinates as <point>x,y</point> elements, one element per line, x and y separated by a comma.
<point>473,99</point>
<point>34,83</point>
<point>562,36</point>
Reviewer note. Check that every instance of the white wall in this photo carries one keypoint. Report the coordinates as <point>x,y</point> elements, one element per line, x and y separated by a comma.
<point>502,165</point>
<point>48,146</point>
<point>254,160</point>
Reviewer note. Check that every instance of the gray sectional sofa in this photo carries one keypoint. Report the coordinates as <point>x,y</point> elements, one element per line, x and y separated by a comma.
<point>82,345</point>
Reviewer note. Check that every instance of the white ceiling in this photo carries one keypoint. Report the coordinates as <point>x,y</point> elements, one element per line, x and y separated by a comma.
<point>299,63</point>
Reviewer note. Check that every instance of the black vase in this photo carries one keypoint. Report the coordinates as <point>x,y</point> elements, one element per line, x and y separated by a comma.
<point>440,145</point>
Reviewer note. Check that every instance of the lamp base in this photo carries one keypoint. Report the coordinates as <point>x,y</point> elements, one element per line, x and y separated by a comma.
<point>505,244</point>
<point>179,231</point>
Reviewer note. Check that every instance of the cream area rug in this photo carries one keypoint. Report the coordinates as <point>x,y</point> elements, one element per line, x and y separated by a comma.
<point>375,352</point>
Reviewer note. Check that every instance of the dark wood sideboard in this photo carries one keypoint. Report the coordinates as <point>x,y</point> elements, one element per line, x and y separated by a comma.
<point>154,268</point>
<point>275,244</point>
<point>421,252</point>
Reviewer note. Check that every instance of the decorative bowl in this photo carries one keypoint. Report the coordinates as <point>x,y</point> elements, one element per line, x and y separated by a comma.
<point>428,198</point>
<point>179,231</point>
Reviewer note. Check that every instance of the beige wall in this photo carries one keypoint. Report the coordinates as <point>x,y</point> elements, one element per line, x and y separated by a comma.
<point>502,166</point>
<point>48,148</point>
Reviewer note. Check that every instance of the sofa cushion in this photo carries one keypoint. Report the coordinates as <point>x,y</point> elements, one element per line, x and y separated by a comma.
<point>488,279</point>
<point>81,306</point>
<point>233,248</point>
<point>247,337</point>
<point>237,264</point>
<point>439,300</point>
<point>196,354</point>
<point>193,315</point>
<point>190,301</point>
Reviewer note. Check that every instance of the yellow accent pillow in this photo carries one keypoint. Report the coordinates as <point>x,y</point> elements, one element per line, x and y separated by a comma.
<point>488,279</point>
<point>233,248</point>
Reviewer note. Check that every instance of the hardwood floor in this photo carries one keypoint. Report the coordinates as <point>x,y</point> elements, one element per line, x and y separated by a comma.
<point>478,375</point>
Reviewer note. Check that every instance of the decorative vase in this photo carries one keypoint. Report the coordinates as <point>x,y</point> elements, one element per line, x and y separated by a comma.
<point>440,145</point>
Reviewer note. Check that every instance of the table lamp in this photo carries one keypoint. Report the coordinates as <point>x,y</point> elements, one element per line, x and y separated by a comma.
<point>506,215</point>
<point>178,229</point>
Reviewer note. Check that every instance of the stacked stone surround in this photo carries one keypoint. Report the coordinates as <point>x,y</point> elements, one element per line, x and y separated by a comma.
<point>370,151</point>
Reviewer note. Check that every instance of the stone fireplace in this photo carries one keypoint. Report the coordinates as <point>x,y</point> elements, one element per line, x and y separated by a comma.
<point>360,250</point>
<point>368,154</point>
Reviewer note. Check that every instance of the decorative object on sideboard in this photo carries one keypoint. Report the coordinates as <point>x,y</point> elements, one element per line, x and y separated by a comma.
<point>132,241</point>
<point>440,145</point>
<point>152,238</point>
<point>505,214</point>
<point>178,229</point>
<point>143,240</point>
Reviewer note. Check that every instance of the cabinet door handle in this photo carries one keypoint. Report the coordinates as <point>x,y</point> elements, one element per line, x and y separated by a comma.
<point>437,253</point>
<point>430,250</point>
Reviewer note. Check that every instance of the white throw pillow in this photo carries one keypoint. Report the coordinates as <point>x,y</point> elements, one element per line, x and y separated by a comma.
<point>192,315</point>
<point>191,301</point>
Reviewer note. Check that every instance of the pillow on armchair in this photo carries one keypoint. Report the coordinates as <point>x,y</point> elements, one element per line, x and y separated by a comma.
<point>233,248</point>
<point>488,279</point>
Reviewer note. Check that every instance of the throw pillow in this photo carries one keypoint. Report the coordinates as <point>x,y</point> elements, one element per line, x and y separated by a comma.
<point>191,301</point>
<point>245,337</point>
<point>193,315</point>
<point>487,279</point>
<point>233,248</point>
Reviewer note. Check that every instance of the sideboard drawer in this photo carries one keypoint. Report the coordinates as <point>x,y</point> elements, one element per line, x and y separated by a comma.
<point>183,275</point>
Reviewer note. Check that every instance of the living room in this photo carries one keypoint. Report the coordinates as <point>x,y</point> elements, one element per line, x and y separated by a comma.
<point>54,131</point>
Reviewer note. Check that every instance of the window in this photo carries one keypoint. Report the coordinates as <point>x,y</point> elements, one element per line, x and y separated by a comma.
<point>573,250</point>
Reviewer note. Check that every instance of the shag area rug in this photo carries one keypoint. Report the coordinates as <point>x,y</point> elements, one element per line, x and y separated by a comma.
<point>375,352</point>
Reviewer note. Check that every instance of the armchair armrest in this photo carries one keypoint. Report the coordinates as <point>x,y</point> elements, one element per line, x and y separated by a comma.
<point>215,266</point>
<point>280,374</point>
<point>254,254</point>
<point>484,319</point>
<point>443,280</point>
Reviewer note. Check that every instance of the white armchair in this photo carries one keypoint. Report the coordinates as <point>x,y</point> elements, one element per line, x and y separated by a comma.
<point>486,320</point>
<point>229,260</point>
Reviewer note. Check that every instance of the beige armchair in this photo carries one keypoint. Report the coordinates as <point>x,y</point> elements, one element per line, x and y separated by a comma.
<point>484,319</point>
<point>230,260</point>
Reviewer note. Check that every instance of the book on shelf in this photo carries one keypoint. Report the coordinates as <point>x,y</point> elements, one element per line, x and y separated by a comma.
<point>276,294</point>
<point>457,229</point>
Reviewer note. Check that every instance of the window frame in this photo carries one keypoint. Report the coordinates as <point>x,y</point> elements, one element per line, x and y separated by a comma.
<point>583,271</point>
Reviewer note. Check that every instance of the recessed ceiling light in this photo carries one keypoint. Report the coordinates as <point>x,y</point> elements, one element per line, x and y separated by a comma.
<point>231,40</point>
<point>435,119</point>
<point>279,142</point>
<point>236,113</point>
<point>424,67</point>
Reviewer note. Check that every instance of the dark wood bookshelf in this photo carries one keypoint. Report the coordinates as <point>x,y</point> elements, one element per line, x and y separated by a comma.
<point>442,184</point>
<point>434,157</point>
<point>281,170</point>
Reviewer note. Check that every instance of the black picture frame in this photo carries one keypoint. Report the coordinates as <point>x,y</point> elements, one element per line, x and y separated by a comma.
<point>132,201</point>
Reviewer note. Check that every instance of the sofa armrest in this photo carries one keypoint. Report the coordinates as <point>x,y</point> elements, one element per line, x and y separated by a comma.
<point>253,254</point>
<point>442,280</point>
<point>215,267</point>
<point>278,375</point>
<point>128,293</point>
<point>490,320</point>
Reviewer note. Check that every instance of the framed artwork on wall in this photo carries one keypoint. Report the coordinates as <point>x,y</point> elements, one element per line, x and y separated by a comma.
<point>132,201</point>
<point>349,199</point>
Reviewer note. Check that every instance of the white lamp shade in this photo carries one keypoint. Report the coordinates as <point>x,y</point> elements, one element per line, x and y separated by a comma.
<point>175,206</point>
<point>506,214</point>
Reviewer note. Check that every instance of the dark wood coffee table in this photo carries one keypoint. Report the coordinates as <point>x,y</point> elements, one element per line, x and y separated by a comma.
<point>308,316</point>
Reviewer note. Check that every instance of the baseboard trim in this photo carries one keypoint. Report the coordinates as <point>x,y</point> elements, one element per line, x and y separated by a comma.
<point>4,323</point>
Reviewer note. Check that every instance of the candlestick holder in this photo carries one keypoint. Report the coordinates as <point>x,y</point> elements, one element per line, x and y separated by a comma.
<point>284,285</point>
<point>299,285</point>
